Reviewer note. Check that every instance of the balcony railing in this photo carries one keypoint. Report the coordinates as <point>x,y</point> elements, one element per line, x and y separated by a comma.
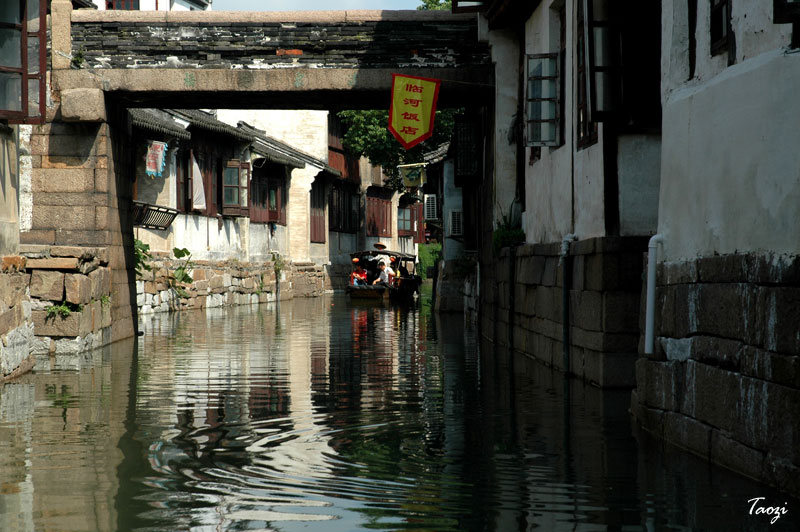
<point>152,216</point>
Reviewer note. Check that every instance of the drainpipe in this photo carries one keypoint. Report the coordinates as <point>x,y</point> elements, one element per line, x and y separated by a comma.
<point>566,285</point>
<point>650,312</point>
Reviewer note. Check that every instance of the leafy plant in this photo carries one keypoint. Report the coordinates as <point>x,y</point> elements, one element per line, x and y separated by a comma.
<point>105,299</point>
<point>438,5</point>
<point>142,257</point>
<point>181,274</point>
<point>78,58</point>
<point>508,231</point>
<point>278,262</point>
<point>63,309</point>
<point>429,254</point>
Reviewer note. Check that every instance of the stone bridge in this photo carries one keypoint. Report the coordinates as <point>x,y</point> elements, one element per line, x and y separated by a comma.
<point>288,60</point>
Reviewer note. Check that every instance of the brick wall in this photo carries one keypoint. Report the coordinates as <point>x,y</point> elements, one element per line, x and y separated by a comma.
<point>341,44</point>
<point>724,381</point>
<point>522,305</point>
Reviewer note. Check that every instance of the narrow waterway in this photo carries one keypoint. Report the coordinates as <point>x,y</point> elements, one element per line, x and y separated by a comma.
<point>324,415</point>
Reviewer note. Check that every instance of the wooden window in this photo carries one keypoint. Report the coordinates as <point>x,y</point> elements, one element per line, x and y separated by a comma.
<point>268,194</point>
<point>602,43</point>
<point>722,38</point>
<point>379,217</point>
<point>343,209</point>
<point>23,56</point>
<point>405,221</point>
<point>586,129</point>
<point>235,181</point>
<point>318,212</point>
<point>122,5</point>
<point>184,183</point>
<point>542,100</point>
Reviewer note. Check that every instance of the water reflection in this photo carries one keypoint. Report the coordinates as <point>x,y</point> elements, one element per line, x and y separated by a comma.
<point>323,415</point>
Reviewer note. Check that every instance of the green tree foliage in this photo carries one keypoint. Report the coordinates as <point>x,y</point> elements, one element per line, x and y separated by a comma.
<point>368,135</point>
<point>439,5</point>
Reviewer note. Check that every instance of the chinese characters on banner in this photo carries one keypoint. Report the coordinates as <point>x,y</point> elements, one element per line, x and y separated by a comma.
<point>413,109</point>
<point>156,158</point>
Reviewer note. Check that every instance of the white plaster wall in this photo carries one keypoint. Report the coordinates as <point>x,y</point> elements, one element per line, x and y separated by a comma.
<point>304,130</point>
<point>752,25</point>
<point>730,162</point>
<point>9,190</point>
<point>548,181</point>
<point>452,201</point>
<point>202,236</point>
<point>638,171</point>
<point>262,242</point>
<point>505,55</point>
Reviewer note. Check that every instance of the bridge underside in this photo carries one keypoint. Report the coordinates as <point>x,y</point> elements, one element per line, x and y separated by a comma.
<point>286,88</point>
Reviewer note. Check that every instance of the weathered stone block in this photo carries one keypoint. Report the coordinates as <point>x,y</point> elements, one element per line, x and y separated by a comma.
<point>586,310</point>
<point>775,367</point>
<point>83,105</point>
<point>13,287</point>
<point>731,454</point>
<point>101,282</point>
<point>730,268</point>
<point>47,285</point>
<point>688,433</point>
<point>782,319</point>
<point>716,393</point>
<point>680,272</point>
<point>216,282</point>
<point>76,324</point>
<point>78,288</point>
<point>65,263</point>
<point>620,312</point>
<point>11,319</point>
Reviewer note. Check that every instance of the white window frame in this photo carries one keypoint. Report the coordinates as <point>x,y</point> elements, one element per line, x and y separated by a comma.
<point>548,80</point>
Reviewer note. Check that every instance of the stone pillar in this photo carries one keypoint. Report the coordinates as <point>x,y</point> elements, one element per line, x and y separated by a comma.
<point>298,211</point>
<point>61,34</point>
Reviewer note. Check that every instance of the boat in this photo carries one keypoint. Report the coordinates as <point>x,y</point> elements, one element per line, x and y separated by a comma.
<point>402,288</point>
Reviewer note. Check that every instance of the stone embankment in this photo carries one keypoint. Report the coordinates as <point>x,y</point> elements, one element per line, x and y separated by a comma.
<point>224,283</point>
<point>54,300</point>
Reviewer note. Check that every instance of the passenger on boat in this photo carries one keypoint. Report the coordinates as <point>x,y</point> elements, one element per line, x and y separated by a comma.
<point>359,276</point>
<point>383,277</point>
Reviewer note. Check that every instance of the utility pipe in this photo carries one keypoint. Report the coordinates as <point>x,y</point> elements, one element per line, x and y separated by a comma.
<point>566,285</point>
<point>650,311</point>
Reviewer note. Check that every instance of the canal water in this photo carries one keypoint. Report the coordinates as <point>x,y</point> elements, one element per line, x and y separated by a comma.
<point>324,415</point>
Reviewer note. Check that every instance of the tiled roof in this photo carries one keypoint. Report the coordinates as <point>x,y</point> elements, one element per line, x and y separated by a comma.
<point>146,119</point>
<point>265,142</point>
<point>203,120</point>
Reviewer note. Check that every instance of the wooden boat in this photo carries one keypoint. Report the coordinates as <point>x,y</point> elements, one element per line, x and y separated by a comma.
<point>402,288</point>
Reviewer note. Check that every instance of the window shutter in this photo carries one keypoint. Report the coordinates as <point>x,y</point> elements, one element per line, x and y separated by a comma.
<point>456,226</point>
<point>431,210</point>
<point>419,221</point>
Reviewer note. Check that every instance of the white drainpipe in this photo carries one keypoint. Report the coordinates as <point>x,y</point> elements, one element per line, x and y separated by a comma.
<point>650,312</point>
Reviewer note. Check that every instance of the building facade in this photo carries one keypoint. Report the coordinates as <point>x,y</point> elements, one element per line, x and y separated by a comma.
<point>722,377</point>
<point>575,165</point>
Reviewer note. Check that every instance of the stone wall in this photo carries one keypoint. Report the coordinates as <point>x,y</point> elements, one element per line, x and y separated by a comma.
<point>724,381</point>
<point>149,41</point>
<point>522,303</point>
<point>224,283</point>
<point>16,326</point>
<point>76,279</point>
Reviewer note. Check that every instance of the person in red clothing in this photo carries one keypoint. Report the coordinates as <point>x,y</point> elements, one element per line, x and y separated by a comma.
<point>359,275</point>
